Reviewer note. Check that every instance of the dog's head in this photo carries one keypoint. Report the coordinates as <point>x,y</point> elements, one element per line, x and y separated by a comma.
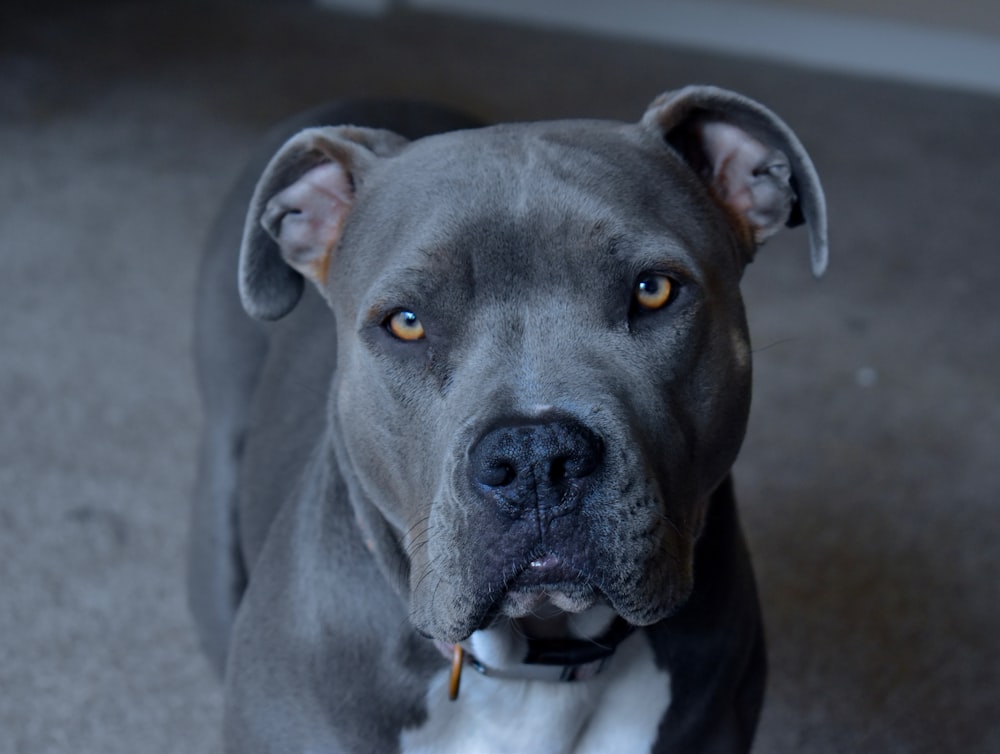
<point>543,365</point>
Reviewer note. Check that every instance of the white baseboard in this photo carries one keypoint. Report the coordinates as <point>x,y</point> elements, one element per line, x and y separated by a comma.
<point>838,42</point>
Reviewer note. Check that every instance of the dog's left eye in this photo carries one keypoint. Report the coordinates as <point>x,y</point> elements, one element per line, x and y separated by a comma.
<point>405,325</point>
<point>653,292</point>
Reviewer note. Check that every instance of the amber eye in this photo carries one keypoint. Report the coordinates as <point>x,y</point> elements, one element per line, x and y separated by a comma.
<point>405,326</point>
<point>653,292</point>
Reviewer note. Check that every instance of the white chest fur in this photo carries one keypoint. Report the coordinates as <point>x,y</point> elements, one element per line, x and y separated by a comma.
<point>617,711</point>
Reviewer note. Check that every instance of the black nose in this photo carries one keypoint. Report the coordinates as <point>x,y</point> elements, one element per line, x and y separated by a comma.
<point>534,465</point>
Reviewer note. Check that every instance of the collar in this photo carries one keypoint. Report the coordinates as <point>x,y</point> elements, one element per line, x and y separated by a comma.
<point>562,660</point>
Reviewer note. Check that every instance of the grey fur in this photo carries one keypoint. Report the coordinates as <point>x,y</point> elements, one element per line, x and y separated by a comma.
<point>336,480</point>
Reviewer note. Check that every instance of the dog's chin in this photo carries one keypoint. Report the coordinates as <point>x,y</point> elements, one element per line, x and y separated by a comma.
<point>546,602</point>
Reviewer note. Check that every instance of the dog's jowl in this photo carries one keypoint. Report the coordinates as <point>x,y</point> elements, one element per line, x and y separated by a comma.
<point>464,483</point>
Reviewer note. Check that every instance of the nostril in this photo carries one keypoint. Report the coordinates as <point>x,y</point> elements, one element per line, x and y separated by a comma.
<point>496,474</point>
<point>575,466</point>
<point>559,470</point>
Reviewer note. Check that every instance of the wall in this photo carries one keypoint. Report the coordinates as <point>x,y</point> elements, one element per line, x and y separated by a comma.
<point>976,16</point>
<point>923,41</point>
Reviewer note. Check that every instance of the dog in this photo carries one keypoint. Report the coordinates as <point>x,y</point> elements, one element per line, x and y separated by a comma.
<point>465,474</point>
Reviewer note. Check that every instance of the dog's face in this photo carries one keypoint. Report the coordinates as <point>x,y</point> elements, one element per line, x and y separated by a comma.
<point>504,314</point>
<point>543,361</point>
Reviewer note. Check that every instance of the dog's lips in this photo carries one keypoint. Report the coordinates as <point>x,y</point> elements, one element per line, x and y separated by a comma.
<point>548,581</point>
<point>549,568</point>
<point>546,564</point>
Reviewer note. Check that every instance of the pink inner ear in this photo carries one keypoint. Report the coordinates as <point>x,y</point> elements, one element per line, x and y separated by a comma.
<point>734,156</point>
<point>307,217</point>
<point>751,178</point>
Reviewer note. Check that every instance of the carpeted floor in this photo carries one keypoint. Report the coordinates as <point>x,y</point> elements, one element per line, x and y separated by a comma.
<point>869,481</point>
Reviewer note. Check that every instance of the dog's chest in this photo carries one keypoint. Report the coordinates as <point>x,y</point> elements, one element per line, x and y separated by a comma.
<point>618,711</point>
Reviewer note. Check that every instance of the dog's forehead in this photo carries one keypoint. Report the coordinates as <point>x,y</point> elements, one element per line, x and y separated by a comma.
<point>530,158</point>
<point>534,177</point>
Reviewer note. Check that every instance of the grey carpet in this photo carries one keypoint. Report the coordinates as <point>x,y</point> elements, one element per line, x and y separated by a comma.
<point>869,480</point>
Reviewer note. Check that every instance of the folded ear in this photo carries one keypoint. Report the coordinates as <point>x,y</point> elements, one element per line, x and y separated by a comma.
<point>752,161</point>
<point>298,211</point>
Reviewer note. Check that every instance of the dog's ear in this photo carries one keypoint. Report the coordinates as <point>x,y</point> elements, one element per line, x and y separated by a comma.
<point>751,160</point>
<point>298,212</point>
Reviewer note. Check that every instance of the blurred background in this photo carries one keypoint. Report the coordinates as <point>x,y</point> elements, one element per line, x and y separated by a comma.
<point>869,480</point>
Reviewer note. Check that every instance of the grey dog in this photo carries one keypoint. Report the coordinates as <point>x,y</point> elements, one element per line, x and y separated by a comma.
<point>488,427</point>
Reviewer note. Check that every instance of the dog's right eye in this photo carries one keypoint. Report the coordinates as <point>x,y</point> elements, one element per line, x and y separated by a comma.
<point>405,325</point>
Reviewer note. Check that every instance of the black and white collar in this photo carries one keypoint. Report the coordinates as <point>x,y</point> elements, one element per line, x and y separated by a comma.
<point>557,660</point>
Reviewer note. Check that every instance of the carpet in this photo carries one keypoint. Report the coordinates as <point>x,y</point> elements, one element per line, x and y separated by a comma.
<point>869,480</point>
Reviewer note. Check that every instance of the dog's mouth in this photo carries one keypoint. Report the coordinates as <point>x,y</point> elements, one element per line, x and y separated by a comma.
<point>546,586</point>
